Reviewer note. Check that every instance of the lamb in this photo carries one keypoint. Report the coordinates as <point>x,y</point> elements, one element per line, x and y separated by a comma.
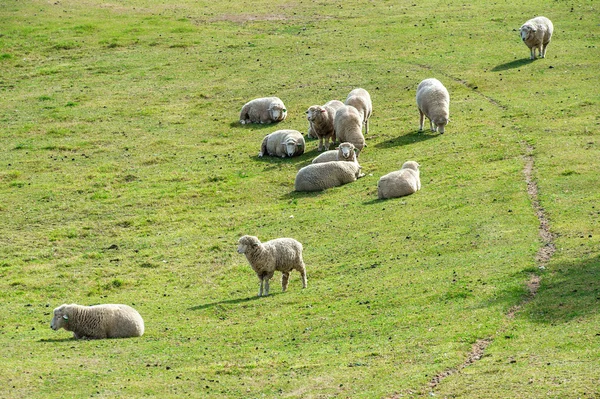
<point>281,254</point>
<point>99,321</point>
<point>263,110</point>
<point>281,143</point>
<point>361,100</point>
<point>536,34</point>
<point>433,102</point>
<point>347,126</point>
<point>321,176</point>
<point>320,120</point>
<point>345,152</point>
<point>399,183</point>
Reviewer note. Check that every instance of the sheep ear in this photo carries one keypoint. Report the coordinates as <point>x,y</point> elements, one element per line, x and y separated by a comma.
<point>323,111</point>
<point>65,317</point>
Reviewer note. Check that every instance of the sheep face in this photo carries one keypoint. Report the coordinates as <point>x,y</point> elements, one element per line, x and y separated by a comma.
<point>247,243</point>
<point>347,151</point>
<point>525,31</point>
<point>441,124</point>
<point>291,146</point>
<point>314,112</point>
<point>277,112</point>
<point>60,318</point>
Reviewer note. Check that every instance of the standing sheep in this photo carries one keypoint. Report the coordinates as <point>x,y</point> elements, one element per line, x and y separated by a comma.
<point>99,321</point>
<point>536,34</point>
<point>281,143</point>
<point>399,183</point>
<point>321,176</point>
<point>433,102</point>
<point>263,110</point>
<point>320,122</point>
<point>361,100</point>
<point>344,152</point>
<point>348,127</point>
<point>281,254</point>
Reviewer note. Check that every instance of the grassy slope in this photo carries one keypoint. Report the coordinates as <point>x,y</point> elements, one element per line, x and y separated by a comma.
<point>118,127</point>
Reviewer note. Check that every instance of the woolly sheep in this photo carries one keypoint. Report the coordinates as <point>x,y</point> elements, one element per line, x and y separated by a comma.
<point>321,176</point>
<point>347,125</point>
<point>361,100</point>
<point>281,143</point>
<point>433,102</point>
<point>320,120</point>
<point>263,110</point>
<point>536,34</point>
<point>99,321</point>
<point>344,152</point>
<point>281,254</point>
<point>399,183</point>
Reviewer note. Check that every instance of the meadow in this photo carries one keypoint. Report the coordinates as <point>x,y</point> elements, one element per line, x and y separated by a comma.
<point>125,177</point>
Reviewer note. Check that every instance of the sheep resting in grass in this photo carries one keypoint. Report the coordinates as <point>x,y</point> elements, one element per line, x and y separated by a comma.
<point>433,102</point>
<point>263,110</point>
<point>320,122</point>
<point>321,176</point>
<point>282,143</point>
<point>399,183</point>
<point>99,321</point>
<point>361,100</point>
<point>280,254</point>
<point>344,152</point>
<point>348,127</point>
<point>536,34</point>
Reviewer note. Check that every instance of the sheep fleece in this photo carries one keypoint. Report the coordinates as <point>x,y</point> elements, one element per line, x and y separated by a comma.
<point>99,321</point>
<point>321,176</point>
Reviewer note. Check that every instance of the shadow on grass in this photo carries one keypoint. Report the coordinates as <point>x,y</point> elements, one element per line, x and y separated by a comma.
<point>256,126</point>
<point>228,302</point>
<point>411,138</point>
<point>512,64</point>
<point>57,339</point>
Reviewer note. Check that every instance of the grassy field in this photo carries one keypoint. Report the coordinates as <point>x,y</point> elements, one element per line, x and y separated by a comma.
<point>126,178</point>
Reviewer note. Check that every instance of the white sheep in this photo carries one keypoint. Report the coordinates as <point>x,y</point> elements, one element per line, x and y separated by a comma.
<point>361,100</point>
<point>99,321</point>
<point>321,176</point>
<point>263,110</point>
<point>348,127</point>
<point>433,102</point>
<point>399,183</point>
<point>282,143</point>
<point>320,122</point>
<point>281,254</point>
<point>536,34</point>
<point>344,152</point>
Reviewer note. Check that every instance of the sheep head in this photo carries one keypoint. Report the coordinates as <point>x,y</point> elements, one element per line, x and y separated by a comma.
<point>291,145</point>
<point>526,30</point>
<point>60,319</point>
<point>277,112</point>
<point>346,151</point>
<point>314,112</point>
<point>247,244</point>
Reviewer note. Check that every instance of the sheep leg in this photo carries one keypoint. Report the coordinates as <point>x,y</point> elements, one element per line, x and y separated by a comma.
<point>303,275</point>
<point>532,57</point>
<point>421,120</point>
<point>285,279</point>
<point>260,290</point>
<point>266,280</point>
<point>320,144</point>
<point>432,126</point>
<point>366,126</point>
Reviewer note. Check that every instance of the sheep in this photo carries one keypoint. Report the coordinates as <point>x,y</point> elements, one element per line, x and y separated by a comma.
<point>536,34</point>
<point>433,102</point>
<point>344,152</point>
<point>99,321</point>
<point>321,176</point>
<point>399,183</point>
<point>320,120</point>
<point>361,100</point>
<point>263,110</point>
<point>281,143</point>
<point>280,254</point>
<point>347,126</point>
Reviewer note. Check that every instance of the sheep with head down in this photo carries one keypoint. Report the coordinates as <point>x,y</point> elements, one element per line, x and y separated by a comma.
<point>361,100</point>
<point>433,101</point>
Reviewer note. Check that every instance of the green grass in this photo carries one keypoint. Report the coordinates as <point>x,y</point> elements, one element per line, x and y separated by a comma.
<point>125,178</point>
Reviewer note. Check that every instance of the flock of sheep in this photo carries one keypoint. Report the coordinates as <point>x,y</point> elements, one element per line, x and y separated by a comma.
<point>335,121</point>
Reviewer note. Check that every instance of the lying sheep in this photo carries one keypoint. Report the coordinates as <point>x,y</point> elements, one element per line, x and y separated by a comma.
<point>344,152</point>
<point>348,127</point>
<point>399,183</point>
<point>433,102</point>
<point>321,176</point>
<point>281,254</point>
<point>99,321</point>
<point>263,110</point>
<point>361,100</point>
<point>536,34</point>
<point>320,120</point>
<point>281,143</point>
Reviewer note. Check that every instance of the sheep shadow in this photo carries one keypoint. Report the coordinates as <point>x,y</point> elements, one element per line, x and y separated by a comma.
<point>53,340</point>
<point>255,126</point>
<point>407,139</point>
<point>512,64</point>
<point>228,302</point>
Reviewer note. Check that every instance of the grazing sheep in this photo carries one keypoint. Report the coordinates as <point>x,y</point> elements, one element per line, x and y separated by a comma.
<point>320,122</point>
<point>361,100</point>
<point>281,254</point>
<point>348,127</point>
<point>399,183</point>
<point>536,34</point>
<point>321,176</point>
<point>99,321</point>
<point>344,152</point>
<point>433,101</point>
<point>263,110</point>
<point>281,143</point>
